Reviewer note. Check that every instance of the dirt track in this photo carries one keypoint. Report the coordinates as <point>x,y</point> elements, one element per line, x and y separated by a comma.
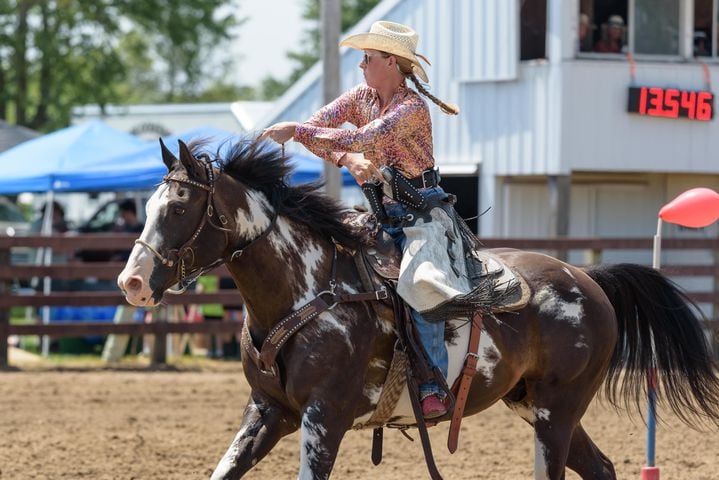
<point>177,425</point>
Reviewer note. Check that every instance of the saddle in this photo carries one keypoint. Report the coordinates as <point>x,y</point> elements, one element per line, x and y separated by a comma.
<point>383,257</point>
<point>378,263</point>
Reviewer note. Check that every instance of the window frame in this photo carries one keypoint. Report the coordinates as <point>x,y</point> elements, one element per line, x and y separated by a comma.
<point>686,52</point>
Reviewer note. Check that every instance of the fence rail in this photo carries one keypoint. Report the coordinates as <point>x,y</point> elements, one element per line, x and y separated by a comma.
<point>594,249</point>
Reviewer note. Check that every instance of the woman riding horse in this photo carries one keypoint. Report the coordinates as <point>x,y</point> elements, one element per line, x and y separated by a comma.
<point>393,129</point>
<point>286,248</point>
<point>293,258</point>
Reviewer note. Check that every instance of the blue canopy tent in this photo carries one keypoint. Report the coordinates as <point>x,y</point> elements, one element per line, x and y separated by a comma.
<point>143,167</point>
<point>38,165</point>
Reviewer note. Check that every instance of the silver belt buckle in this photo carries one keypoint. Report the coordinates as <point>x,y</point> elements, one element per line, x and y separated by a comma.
<point>424,179</point>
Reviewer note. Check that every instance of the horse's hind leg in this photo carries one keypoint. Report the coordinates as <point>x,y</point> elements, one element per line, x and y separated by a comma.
<point>556,412</point>
<point>560,440</point>
<point>263,424</point>
<point>586,459</point>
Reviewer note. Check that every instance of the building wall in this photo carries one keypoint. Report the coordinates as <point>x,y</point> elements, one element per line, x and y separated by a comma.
<point>526,120</point>
<point>152,121</point>
<point>601,204</point>
<point>465,40</point>
<point>598,134</point>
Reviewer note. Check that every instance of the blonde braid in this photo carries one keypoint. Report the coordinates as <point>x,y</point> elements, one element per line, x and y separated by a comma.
<point>447,108</point>
<point>406,68</point>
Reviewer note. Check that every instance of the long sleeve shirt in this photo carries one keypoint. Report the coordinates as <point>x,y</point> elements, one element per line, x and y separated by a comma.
<point>398,135</point>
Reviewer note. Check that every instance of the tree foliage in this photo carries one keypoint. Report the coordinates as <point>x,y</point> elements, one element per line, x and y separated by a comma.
<point>352,12</point>
<point>55,54</point>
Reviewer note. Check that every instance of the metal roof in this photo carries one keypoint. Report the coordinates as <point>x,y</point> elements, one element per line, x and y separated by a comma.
<point>11,135</point>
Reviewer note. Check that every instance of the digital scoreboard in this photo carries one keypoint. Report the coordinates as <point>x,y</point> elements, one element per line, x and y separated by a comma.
<point>671,103</point>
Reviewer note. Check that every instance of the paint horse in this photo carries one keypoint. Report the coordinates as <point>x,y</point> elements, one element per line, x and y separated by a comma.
<point>286,246</point>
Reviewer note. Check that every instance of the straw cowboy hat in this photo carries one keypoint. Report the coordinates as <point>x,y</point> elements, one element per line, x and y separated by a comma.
<point>392,38</point>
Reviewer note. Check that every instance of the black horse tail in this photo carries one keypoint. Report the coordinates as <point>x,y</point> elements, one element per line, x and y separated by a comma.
<point>651,309</point>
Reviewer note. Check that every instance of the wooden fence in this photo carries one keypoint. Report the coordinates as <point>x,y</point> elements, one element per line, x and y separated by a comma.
<point>593,250</point>
<point>75,269</point>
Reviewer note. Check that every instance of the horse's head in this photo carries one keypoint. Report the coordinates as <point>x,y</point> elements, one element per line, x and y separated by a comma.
<point>200,217</point>
<point>183,234</point>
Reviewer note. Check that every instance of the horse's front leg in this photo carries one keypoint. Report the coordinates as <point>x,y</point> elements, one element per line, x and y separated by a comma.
<point>263,424</point>
<point>323,427</point>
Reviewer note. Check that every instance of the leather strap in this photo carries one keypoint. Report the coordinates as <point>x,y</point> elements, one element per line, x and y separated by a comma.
<point>381,294</point>
<point>287,327</point>
<point>465,381</point>
<point>427,179</point>
<point>284,329</point>
<point>422,427</point>
<point>377,435</point>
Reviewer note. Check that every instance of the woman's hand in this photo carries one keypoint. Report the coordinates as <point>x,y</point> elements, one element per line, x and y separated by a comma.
<point>361,169</point>
<point>280,132</point>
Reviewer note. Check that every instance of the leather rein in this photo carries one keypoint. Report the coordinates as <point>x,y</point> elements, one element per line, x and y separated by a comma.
<point>177,257</point>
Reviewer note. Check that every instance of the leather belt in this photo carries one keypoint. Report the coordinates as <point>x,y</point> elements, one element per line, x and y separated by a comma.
<point>428,179</point>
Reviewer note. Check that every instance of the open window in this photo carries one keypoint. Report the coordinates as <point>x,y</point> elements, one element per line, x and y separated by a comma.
<point>533,28</point>
<point>705,19</point>
<point>640,27</point>
<point>603,26</point>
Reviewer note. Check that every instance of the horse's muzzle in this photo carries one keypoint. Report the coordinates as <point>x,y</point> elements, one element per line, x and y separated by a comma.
<point>136,291</point>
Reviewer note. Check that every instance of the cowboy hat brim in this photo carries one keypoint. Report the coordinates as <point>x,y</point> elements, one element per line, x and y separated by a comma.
<point>373,41</point>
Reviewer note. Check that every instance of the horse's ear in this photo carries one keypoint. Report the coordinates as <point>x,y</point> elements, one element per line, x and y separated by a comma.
<point>193,167</point>
<point>167,156</point>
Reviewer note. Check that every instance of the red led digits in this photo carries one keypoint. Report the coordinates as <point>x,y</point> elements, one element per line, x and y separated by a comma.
<point>689,103</point>
<point>671,103</point>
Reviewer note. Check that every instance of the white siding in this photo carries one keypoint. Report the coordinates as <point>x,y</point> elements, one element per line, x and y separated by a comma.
<point>506,125</point>
<point>599,135</point>
<point>482,47</point>
<point>485,39</point>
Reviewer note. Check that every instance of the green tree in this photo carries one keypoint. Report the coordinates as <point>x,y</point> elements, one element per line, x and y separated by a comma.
<point>352,12</point>
<point>55,54</point>
<point>181,36</point>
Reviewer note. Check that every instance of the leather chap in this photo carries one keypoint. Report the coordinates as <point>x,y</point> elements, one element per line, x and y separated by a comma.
<point>373,192</point>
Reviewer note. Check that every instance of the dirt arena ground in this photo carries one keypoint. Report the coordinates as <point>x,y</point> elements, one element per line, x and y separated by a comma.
<point>135,424</point>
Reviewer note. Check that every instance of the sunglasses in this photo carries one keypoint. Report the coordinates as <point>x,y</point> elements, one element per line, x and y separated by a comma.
<point>367,57</point>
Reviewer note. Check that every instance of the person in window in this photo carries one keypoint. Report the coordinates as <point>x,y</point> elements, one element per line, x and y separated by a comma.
<point>612,40</point>
<point>584,32</point>
<point>701,48</point>
<point>394,129</point>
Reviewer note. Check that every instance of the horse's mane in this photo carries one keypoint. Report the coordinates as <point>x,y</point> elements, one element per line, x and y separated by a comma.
<point>262,167</point>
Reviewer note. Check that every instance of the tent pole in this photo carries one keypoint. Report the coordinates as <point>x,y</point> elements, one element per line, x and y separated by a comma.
<point>46,231</point>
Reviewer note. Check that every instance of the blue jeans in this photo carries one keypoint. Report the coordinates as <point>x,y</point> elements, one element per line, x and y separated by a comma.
<point>431,334</point>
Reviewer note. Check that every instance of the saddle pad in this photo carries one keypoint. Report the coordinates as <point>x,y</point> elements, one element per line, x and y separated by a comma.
<point>505,277</point>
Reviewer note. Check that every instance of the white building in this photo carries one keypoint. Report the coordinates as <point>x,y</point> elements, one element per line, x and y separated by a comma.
<point>544,127</point>
<point>153,121</point>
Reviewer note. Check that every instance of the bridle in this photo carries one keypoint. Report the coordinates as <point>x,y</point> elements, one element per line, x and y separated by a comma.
<point>176,257</point>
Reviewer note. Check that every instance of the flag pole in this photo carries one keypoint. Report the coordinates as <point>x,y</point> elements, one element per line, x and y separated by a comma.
<point>651,471</point>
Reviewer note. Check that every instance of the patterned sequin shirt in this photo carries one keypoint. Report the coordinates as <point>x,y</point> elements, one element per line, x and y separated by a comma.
<point>400,135</point>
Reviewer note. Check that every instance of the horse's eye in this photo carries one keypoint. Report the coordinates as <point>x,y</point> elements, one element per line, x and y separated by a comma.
<point>179,210</point>
<point>181,193</point>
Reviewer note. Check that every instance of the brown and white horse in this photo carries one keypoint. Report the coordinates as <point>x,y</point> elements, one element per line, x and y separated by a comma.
<point>581,329</point>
